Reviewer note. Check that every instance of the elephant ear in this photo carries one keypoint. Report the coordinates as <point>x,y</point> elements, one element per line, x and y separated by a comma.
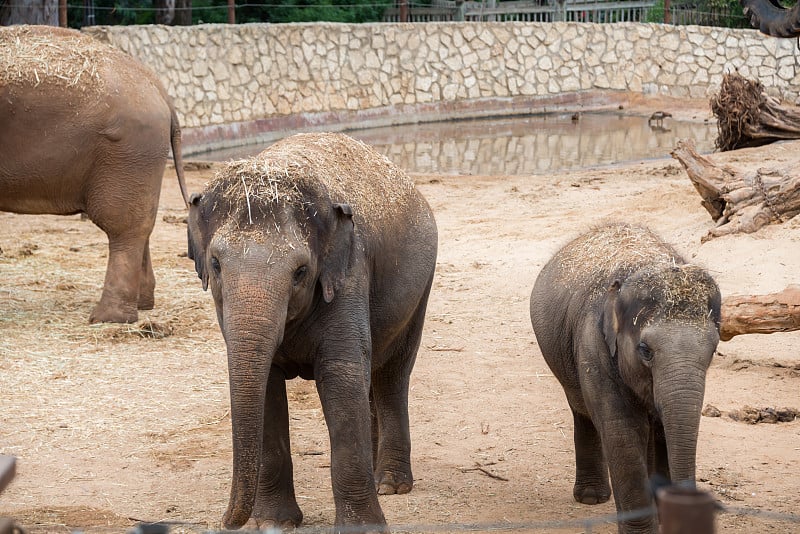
<point>336,258</point>
<point>610,320</point>
<point>196,238</point>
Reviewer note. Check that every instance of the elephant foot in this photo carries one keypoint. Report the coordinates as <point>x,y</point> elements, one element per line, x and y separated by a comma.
<point>285,516</point>
<point>261,524</point>
<point>393,483</point>
<point>591,493</point>
<point>104,313</point>
<point>147,303</point>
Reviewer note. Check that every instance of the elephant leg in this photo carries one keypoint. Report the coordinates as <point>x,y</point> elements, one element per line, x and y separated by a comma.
<point>390,384</point>
<point>659,463</point>
<point>120,298</point>
<point>276,504</point>
<point>591,469</point>
<point>393,448</point>
<point>127,217</point>
<point>147,281</point>
<point>343,386</point>
<point>627,440</point>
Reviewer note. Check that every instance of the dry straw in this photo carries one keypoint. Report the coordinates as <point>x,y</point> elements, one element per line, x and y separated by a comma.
<point>636,256</point>
<point>35,55</point>
<point>335,166</point>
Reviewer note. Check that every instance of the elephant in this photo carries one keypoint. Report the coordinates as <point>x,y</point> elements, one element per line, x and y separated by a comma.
<point>87,129</point>
<point>772,18</point>
<point>629,329</point>
<point>320,255</point>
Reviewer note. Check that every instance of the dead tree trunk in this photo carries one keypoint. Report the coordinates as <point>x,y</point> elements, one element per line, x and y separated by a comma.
<point>747,116</point>
<point>737,201</point>
<point>760,314</point>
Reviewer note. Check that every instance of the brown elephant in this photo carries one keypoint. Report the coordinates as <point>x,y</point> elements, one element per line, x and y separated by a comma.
<point>628,329</point>
<point>87,129</point>
<point>320,256</point>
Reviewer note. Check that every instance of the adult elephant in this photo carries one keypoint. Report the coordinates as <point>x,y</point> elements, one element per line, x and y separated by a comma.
<point>320,256</point>
<point>772,18</point>
<point>629,329</point>
<point>87,129</point>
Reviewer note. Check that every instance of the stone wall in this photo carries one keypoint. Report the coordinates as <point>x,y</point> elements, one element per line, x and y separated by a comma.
<point>262,80</point>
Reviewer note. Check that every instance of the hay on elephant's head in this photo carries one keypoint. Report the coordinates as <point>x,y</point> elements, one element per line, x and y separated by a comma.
<point>612,250</point>
<point>635,255</point>
<point>683,290</point>
<point>35,55</point>
<point>332,165</point>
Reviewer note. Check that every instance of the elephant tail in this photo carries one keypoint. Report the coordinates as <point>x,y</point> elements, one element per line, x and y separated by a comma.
<point>177,156</point>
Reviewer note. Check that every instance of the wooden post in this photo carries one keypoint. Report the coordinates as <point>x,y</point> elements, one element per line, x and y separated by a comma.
<point>403,10</point>
<point>667,7</point>
<point>62,13</point>
<point>685,511</point>
<point>231,11</point>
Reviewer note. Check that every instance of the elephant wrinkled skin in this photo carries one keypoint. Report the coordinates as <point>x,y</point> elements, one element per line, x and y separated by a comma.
<point>320,256</point>
<point>629,329</point>
<point>87,129</point>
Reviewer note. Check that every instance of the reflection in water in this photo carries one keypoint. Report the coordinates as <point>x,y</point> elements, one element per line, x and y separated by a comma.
<point>536,144</point>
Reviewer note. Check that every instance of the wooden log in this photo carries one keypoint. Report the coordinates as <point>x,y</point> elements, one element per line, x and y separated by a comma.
<point>760,314</point>
<point>747,116</point>
<point>739,201</point>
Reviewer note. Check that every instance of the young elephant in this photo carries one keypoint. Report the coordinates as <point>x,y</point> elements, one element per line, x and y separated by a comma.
<point>320,256</point>
<point>85,128</point>
<point>629,329</point>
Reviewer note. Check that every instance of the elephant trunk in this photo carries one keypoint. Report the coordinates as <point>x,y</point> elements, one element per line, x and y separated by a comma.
<point>771,18</point>
<point>679,398</point>
<point>253,326</point>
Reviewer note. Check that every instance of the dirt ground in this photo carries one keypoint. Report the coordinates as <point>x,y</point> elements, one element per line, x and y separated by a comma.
<point>116,424</point>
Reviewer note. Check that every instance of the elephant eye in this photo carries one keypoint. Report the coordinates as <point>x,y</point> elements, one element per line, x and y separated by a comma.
<point>299,274</point>
<point>215,265</point>
<point>645,352</point>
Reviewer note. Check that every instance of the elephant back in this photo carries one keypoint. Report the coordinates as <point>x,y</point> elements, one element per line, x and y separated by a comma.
<point>59,61</point>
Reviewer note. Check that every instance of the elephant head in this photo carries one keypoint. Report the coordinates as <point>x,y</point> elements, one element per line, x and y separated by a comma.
<point>270,250</point>
<point>661,325</point>
<point>771,18</point>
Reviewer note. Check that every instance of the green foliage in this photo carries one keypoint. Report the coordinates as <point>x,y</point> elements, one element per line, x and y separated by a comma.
<point>352,11</point>
<point>110,12</point>
<point>723,13</point>
<point>213,11</point>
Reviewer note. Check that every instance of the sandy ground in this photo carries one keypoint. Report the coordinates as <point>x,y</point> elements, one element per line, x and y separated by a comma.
<point>112,424</point>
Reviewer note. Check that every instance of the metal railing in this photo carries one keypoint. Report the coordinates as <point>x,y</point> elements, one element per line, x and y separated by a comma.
<point>528,11</point>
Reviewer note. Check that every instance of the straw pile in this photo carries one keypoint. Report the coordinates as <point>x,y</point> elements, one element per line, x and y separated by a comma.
<point>35,55</point>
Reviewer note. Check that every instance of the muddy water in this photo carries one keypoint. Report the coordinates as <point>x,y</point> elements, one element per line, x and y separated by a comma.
<point>521,145</point>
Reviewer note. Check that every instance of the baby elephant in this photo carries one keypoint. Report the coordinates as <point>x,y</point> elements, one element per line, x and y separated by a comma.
<point>320,256</point>
<point>629,329</point>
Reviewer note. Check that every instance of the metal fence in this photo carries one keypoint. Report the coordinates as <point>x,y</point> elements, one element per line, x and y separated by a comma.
<point>601,11</point>
<point>528,11</point>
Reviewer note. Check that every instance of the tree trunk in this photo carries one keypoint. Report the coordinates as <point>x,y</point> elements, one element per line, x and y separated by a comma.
<point>29,12</point>
<point>183,13</point>
<point>165,11</point>
<point>746,116</point>
<point>760,314</point>
<point>740,202</point>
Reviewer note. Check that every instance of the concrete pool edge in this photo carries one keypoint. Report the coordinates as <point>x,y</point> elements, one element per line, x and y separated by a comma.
<point>221,136</point>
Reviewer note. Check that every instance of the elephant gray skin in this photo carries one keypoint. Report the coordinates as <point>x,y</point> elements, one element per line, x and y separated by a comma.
<point>629,329</point>
<point>87,129</point>
<point>772,18</point>
<point>320,256</point>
